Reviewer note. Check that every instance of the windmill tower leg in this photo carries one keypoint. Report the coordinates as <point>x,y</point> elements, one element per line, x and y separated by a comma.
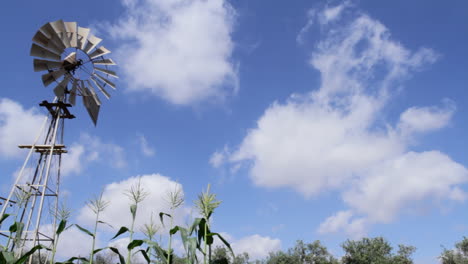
<point>35,195</point>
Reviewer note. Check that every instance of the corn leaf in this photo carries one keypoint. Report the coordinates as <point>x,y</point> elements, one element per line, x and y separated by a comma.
<point>161,216</point>
<point>4,216</point>
<point>121,231</point>
<point>102,222</point>
<point>61,227</point>
<point>145,255</point>
<point>98,250</point>
<point>84,230</point>
<point>116,251</point>
<point>135,243</point>
<point>29,253</point>
<point>7,257</point>
<point>184,236</point>
<point>161,253</point>
<point>194,225</point>
<point>19,231</point>
<point>223,240</point>
<point>70,261</point>
<point>174,230</point>
<point>201,231</point>
<point>14,227</point>
<point>133,209</point>
<point>191,249</point>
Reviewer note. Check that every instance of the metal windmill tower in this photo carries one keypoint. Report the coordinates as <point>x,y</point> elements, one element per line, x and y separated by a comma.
<point>73,61</point>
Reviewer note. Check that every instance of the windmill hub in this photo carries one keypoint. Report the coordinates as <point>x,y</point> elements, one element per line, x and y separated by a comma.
<point>78,64</point>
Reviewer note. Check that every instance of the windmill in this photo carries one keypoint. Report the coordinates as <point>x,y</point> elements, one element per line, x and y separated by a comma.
<point>74,65</point>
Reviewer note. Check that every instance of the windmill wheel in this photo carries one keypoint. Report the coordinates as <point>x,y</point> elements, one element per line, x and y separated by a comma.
<point>72,58</point>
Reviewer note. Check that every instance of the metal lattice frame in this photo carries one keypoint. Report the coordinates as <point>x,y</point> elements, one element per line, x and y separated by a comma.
<point>32,199</point>
<point>72,59</point>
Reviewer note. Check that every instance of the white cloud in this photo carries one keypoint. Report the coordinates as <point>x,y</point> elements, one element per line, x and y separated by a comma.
<point>405,180</point>
<point>256,246</point>
<point>342,221</point>
<point>310,148</point>
<point>178,50</point>
<point>26,177</point>
<point>422,119</point>
<point>323,17</point>
<point>72,161</point>
<point>146,149</point>
<point>330,14</point>
<point>307,27</point>
<point>17,126</point>
<point>118,213</point>
<point>97,150</point>
<point>335,138</point>
<point>218,158</point>
<point>90,149</point>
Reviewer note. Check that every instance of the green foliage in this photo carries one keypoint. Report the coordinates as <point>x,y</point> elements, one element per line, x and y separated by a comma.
<point>375,250</point>
<point>207,203</point>
<point>199,238</point>
<point>8,257</point>
<point>4,216</point>
<point>459,255</point>
<point>312,253</point>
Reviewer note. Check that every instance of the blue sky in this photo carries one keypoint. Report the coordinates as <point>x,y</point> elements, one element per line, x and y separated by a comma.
<point>311,120</point>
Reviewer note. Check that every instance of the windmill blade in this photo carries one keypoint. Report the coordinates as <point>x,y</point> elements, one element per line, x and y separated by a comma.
<point>111,84</point>
<point>60,31</point>
<point>38,51</point>
<point>59,90</point>
<point>106,71</point>
<point>99,52</point>
<point>104,62</point>
<point>71,58</point>
<point>52,34</point>
<point>44,65</point>
<point>93,93</point>
<point>82,36</point>
<point>70,28</point>
<point>81,88</point>
<point>42,40</point>
<point>65,39</point>
<point>47,30</point>
<point>58,26</point>
<point>92,43</point>
<point>91,106</point>
<point>73,91</point>
<point>50,77</point>
<point>99,86</point>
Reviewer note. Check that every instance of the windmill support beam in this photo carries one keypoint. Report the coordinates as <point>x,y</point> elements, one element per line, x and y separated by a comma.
<point>58,106</point>
<point>36,189</point>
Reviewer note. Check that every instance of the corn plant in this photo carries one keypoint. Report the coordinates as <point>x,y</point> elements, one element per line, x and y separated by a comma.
<point>63,214</point>
<point>97,205</point>
<point>137,194</point>
<point>17,227</point>
<point>175,200</point>
<point>197,236</point>
<point>206,204</point>
<point>8,257</point>
<point>150,229</point>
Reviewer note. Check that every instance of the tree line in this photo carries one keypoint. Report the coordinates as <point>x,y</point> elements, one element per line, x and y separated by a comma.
<point>364,251</point>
